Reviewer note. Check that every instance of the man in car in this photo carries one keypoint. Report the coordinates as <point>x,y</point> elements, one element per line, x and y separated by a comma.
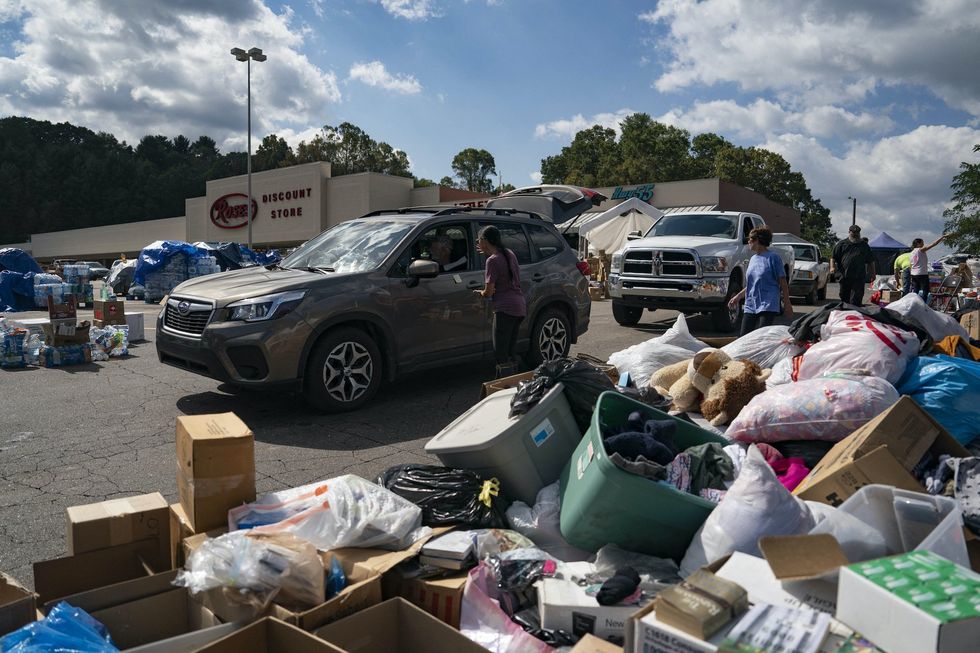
<point>441,250</point>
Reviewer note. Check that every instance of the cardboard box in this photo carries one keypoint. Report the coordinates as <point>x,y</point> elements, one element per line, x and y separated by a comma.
<point>215,468</point>
<point>505,383</point>
<point>181,530</point>
<point>136,329</point>
<point>109,312</point>
<point>440,597</point>
<point>882,451</point>
<point>121,521</point>
<point>154,618</point>
<point>188,642</point>
<point>595,294</point>
<point>592,644</point>
<point>66,311</point>
<point>17,606</point>
<point>563,604</point>
<point>889,296</point>
<point>396,626</point>
<point>270,635</point>
<point>890,602</point>
<point>53,336</point>
<point>61,577</point>
<point>971,322</point>
<point>803,557</point>
<point>645,634</point>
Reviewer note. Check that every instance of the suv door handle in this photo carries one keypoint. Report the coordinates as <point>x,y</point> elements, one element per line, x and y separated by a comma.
<point>471,285</point>
<point>538,276</point>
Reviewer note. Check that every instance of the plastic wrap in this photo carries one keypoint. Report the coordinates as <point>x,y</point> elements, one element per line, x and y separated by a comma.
<point>109,341</point>
<point>447,496</point>
<point>656,574</point>
<point>765,346</point>
<point>13,347</point>
<point>346,511</point>
<point>939,325</point>
<point>493,541</point>
<point>644,359</point>
<point>678,335</point>
<point>756,505</point>
<point>829,408</point>
<point>583,383</point>
<point>66,629</point>
<point>541,524</point>
<point>484,622</point>
<point>251,569</point>
<point>949,390</point>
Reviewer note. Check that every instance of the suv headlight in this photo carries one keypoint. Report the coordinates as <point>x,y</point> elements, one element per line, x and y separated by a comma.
<point>267,307</point>
<point>714,264</point>
<point>617,263</point>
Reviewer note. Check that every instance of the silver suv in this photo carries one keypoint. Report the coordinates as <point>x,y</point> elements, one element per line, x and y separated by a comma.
<point>365,301</point>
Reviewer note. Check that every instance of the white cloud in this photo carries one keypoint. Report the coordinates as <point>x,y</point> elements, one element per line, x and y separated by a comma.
<point>375,74</point>
<point>536,177</point>
<point>901,182</point>
<point>148,68</point>
<point>829,51</point>
<point>411,9</point>
<point>317,7</point>
<point>566,128</point>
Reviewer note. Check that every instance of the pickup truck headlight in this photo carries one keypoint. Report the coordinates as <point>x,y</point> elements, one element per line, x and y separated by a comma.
<point>267,307</point>
<point>804,274</point>
<point>617,263</point>
<point>714,264</point>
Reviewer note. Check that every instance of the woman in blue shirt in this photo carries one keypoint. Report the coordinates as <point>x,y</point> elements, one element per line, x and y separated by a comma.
<point>765,283</point>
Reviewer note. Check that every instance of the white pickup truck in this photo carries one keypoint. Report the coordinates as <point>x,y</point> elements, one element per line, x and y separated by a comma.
<point>689,262</point>
<point>811,272</point>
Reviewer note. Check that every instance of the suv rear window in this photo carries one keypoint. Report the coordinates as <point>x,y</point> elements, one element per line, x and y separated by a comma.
<point>545,242</point>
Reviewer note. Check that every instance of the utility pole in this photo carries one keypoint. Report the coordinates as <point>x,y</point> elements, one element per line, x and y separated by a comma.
<point>854,209</point>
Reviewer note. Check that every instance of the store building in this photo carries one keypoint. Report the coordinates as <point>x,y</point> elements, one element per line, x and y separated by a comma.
<point>291,205</point>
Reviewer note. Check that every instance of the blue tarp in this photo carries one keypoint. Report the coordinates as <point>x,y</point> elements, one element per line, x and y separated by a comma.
<point>948,389</point>
<point>233,256</point>
<point>17,270</point>
<point>884,241</point>
<point>154,256</point>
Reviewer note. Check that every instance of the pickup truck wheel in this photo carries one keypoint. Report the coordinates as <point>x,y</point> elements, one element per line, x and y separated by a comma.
<point>344,371</point>
<point>822,292</point>
<point>550,338</point>
<point>727,319</point>
<point>626,315</point>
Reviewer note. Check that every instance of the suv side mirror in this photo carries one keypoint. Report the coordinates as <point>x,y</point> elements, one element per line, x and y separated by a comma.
<point>823,259</point>
<point>634,235</point>
<point>423,269</point>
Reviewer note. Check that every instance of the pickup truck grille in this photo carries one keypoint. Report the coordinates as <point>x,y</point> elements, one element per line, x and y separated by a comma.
<point>659,263</point>
<point>186,317</point>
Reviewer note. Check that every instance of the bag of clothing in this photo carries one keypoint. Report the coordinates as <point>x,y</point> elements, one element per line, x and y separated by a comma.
<point>642,360</point>
<point>938,324</point>
<point>448,496</point>
<point>948,389</point>
<point>806,328</point>
<point>765,346</point>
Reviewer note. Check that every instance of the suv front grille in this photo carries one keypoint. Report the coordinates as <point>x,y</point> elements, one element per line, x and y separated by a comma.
<point>659,263</point>
<point>191,320</point>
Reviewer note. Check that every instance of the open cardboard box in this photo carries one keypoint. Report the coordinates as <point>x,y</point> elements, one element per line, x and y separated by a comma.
<point>506,383</point>
<point>440,597</point>
<point>16,605</point>
<point>269,635</point>
<point>883,451</point>
<point>592,644</point>
<point>182,530</point>
<point>70,575</point>
<point>396,626</point>
<point>971,322</point>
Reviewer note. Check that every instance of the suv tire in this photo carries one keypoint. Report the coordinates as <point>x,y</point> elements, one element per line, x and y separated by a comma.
<point>725,319</point>
<point>344,371</point>
<point>626,315</point>
<point>551,337</point>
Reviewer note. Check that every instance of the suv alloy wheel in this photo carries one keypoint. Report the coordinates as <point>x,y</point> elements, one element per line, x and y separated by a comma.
<point>550,338</point>
<point>344,371</point>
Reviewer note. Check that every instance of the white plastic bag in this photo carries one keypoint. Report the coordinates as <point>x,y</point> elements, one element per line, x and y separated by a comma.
<point>644,359</point>
<point>541,524</point>
<point>756,505</point>
<point>939,325</point>
<point>852,342</point>
<point>347,511</point>
<point>483,621</point>
<point>828,408</point>
<point>765,347</point>
<point>679,335</point>
<point>858,540</point>
<point>782,372</point>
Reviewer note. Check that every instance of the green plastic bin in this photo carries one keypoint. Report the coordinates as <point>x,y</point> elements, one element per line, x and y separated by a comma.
<point>603,504</point>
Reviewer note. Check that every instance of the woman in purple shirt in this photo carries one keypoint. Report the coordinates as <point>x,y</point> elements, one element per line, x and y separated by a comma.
<point>503,286</point>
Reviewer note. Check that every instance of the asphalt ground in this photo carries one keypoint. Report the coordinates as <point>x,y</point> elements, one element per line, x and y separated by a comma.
<point>82,434</point>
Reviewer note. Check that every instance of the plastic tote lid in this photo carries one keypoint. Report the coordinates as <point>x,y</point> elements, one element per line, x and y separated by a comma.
<point>481,426</point>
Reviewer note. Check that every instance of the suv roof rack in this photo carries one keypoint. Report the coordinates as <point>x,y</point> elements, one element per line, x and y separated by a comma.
<point>451,210</point>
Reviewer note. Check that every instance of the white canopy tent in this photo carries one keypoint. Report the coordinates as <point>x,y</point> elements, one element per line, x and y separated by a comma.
<point>608,230</point>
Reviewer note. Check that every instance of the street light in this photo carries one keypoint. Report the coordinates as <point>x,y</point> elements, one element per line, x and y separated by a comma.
<point>854,209</point>
<point>242,55</point>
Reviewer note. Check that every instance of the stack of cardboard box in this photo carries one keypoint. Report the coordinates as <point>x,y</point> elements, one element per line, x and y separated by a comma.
<point>109,312</point>
<point>66,341</point>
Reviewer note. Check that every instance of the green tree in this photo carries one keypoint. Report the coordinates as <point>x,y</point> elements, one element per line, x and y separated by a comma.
<point>273,152</point>
<point>318,149</point>
<point>447,182</point>
<point>474,168</point>
<point>505,188</point>
<point>962,227</point>
<point>651,150</point>
<point>590,160</point>
<point>704,155</point>
<point>422,182</point>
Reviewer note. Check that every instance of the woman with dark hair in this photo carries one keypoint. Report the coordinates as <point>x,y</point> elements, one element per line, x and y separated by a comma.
<point>503,286</point>
<point>920,266</point>
<point>765,284</point>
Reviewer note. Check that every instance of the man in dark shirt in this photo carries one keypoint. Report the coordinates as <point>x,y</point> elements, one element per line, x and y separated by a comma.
<point>851,260</point>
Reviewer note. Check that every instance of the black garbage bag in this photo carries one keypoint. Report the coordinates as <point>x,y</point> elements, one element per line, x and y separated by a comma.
<point>583,384</point>
<point>448,496</point>
<point>530,620</point>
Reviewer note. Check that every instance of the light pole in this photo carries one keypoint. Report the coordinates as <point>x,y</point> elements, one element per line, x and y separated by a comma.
<point>854,209</point>
<point>241,55</point>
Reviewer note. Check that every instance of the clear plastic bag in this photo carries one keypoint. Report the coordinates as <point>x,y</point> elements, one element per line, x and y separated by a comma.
<point>644,359</point>
<point>828,408</point>
<point>66,629</point>
<point>756,505</point>
<point>494,541</point>
<point>541,524</point>
<point>679,335</point>
<point>346,511</point>
<point>484,622</point>
<point>939,325</point>
<point>765,346</point>
<point>251,569</point>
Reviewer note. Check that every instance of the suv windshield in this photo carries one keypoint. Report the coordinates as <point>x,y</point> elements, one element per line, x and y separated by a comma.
<point>716,226</point>
<point>351,246</point>
<point>803,253</point>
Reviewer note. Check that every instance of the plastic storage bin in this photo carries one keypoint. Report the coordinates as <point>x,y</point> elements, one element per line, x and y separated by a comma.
<point>524,453</point>
<point>603,504</point>
<point>911,520</point>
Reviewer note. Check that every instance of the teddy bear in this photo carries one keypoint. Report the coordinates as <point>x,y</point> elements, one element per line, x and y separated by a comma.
<point>730,389</point>
<point>683,381</point>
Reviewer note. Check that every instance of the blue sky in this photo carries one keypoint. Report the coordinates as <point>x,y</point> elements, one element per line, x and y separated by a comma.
<point>868,98</point>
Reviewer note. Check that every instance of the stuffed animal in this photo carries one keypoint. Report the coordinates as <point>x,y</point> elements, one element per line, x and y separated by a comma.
<point>665,377</point>
<point>731,388</point>
<point>682,381</point>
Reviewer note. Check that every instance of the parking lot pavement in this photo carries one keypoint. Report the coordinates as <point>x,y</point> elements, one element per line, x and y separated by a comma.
<point>87,433</point>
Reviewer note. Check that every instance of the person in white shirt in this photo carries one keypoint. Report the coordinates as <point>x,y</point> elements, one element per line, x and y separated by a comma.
<point>920,266</point>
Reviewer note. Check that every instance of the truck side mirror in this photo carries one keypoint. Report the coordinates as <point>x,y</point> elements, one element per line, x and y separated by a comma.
<point>634,235</point>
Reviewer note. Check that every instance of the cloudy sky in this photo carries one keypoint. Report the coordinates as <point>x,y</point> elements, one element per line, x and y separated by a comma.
<point>876,99</point>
